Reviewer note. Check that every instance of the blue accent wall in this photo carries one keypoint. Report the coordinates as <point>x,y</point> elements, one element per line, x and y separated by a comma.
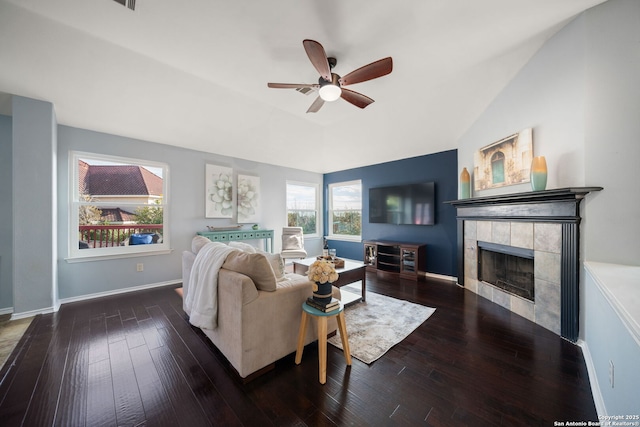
<point>441,168</point>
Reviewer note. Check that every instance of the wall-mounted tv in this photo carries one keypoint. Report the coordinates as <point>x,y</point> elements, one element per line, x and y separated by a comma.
<point>403,204</point>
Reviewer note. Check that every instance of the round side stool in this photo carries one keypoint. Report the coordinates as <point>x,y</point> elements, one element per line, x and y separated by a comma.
<point>322,317</point>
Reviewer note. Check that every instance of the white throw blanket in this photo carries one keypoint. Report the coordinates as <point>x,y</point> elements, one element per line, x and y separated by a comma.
<point>201,302</point>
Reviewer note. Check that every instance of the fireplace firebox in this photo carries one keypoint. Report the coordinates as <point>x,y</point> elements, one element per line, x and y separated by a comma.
<point>508,268</point>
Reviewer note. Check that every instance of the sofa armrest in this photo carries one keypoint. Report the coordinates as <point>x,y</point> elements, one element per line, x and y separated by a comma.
<point>235,288</point>
<point>188,258</point>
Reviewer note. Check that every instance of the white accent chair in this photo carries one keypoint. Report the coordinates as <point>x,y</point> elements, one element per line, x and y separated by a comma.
<point>292,243</point>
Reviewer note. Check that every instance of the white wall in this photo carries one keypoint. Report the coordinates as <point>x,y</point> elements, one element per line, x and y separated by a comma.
<point>43,245</point>
<point>612,226</point>
<point>548,96</point>
<point>580,94</point>
<point>34,141</point>
<point>6,214</point>
<point>186,171</point>
<point>611,337</point>
<point>612,132</point>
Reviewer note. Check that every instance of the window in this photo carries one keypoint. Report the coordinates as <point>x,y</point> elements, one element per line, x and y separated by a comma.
<point>302,207</point>
<point>117,206</point>
<point>345,210</point>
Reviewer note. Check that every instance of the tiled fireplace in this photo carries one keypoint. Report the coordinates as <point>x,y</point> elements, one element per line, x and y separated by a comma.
<point>545,242</point>
<point>530,243</point>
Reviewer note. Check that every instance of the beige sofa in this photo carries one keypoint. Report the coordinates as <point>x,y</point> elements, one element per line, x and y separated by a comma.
<point>255,327</point>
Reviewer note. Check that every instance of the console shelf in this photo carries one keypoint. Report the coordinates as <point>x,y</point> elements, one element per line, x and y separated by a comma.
<point>402,259</point>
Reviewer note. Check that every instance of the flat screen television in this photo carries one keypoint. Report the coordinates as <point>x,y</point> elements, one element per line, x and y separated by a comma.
<point>403,204</point>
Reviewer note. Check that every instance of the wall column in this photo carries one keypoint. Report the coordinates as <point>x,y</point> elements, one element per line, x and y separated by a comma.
<point>35,283</point>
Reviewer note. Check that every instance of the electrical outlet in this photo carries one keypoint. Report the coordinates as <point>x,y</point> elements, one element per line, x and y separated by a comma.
<point>611,373</point>
<point>140,267</point>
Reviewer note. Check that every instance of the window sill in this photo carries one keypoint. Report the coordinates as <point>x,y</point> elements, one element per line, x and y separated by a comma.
<point>73,260</point>
<point>357,239</point>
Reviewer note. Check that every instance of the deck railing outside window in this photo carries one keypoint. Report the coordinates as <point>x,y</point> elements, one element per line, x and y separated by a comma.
<point>103,236</point>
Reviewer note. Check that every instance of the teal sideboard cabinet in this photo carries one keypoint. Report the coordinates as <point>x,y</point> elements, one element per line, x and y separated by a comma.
<point>229,236</point>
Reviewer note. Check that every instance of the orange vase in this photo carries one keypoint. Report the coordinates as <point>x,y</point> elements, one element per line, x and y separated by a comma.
<point>538,173</point>
<point>465,184</point>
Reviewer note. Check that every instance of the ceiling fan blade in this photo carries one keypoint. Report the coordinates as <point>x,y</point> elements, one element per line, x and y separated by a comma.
<point>357,99</point>
<point>291,85</point>
<point>317,104</point>
<point>318,58</point>
<point>371,71</point>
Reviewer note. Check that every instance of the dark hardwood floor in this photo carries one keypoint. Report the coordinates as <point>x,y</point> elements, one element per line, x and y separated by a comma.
<point>134,360</point>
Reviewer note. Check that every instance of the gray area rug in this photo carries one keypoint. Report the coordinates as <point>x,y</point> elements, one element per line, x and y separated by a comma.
<point>374,326</point>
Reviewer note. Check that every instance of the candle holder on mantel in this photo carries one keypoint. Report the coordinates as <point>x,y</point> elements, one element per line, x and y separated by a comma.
<point>538,173</point>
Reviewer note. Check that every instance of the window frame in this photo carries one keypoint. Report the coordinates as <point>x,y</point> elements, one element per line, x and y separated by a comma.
<point>74,202</point>
<point>330,234</point>
<point>316,188</point>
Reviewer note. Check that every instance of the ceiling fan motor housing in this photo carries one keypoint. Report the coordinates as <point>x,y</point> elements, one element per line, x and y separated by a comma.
<point>330,91</point>
<point>335,80</point>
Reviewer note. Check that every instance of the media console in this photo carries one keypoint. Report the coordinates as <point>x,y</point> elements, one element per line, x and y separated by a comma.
<point>402,259</point>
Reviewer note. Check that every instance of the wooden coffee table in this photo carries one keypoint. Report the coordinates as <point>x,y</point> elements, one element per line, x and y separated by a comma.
<point>353,271</point>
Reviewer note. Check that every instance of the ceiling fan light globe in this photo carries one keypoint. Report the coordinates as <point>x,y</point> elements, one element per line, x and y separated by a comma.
<point>330,92</point>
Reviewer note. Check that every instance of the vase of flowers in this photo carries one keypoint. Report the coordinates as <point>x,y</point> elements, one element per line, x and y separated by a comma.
<point>323,274</point>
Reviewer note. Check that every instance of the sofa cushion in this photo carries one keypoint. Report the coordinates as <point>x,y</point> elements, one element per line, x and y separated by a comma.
<point>291,242</point>
<point>243,247</point>
<point>256,266</point>
<point>197,243</point>
<point>277,264</point>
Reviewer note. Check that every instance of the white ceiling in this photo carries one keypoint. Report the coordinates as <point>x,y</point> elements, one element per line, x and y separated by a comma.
<point>194,73</point>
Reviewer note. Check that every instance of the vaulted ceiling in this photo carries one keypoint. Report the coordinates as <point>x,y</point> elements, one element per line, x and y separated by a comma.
<point>194,74</point>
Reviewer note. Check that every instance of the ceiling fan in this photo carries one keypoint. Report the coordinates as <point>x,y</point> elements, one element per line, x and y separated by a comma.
<point>331,86</point>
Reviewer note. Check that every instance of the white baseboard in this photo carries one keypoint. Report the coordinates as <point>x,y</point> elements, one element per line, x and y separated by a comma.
<point>31,313</point>
<point>25,314</point>
<point>442,277</point>
<point>119,291</point>
<point>598,400</point>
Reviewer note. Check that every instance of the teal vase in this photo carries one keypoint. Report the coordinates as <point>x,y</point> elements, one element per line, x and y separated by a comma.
<point>538,173</point>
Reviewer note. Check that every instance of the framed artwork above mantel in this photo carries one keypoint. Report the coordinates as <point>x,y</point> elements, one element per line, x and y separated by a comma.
<point>504,162</point>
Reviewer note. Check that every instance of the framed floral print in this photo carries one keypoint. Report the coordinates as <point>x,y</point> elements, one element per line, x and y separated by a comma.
<point>218,191</point>
<point>248,199</point>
